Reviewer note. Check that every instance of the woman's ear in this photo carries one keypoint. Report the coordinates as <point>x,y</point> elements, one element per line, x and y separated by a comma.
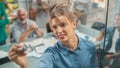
<point>74,24</point>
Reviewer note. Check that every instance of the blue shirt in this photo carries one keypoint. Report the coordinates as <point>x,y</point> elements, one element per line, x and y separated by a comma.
<point>60,56</point>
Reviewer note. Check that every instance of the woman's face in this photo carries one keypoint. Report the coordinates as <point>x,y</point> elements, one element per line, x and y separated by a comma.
<point>62,28</point>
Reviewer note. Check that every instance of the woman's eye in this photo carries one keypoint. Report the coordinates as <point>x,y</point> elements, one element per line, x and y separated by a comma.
<point>54,27</point>
<point>63,25</point>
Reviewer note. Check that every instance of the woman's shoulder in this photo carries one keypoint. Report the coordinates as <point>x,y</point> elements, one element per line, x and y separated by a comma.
<point>51,49</point>
<point>88,44</point>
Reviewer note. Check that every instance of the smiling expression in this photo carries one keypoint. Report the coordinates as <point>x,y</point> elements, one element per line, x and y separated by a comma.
<point>62,28</point>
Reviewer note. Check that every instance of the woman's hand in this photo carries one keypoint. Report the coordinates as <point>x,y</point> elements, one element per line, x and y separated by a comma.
<point>17,56</point>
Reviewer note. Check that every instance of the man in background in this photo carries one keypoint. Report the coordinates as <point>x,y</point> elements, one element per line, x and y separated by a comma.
<point>24,28</point>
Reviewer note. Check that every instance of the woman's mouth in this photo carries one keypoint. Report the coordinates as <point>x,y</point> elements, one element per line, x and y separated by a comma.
<point>61,36</point>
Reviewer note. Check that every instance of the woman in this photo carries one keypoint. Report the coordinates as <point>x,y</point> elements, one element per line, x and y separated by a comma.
<point>70,51</point>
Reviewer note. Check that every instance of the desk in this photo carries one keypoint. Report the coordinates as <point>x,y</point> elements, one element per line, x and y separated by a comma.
<point>33,61</point>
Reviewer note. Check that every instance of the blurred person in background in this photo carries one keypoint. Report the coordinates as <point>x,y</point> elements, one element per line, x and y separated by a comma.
<point>24,28</point>
<point>3,22</point>
<point>112,42</point>
<point>33,14</point>
<point>81,10</point>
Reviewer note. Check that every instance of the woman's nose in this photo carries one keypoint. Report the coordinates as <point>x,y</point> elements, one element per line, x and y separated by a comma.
<point>59,29</point>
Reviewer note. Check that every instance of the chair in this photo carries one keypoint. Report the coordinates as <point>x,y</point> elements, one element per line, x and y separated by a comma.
<point>48,28</point>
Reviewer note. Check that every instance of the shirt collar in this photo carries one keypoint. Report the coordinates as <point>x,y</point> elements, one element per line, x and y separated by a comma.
<point>66,50</point>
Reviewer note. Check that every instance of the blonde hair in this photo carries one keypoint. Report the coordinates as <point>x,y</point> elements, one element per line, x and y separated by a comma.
<point>62,10</point>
